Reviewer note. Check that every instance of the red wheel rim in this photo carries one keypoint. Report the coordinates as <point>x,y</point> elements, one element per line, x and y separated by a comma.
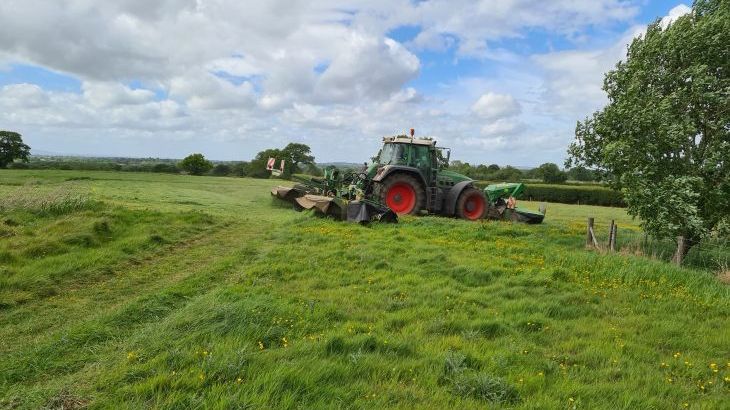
<point>473,207</point>
<point>401,198</point>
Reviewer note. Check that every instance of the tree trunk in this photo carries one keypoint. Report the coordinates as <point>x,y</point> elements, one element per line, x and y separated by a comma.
<point>684,244</point>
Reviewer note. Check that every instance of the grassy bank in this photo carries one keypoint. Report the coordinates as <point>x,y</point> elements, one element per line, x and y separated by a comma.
<point>176,291</point>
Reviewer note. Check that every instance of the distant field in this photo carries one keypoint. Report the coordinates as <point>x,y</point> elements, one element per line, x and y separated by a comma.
<point>133,290</point>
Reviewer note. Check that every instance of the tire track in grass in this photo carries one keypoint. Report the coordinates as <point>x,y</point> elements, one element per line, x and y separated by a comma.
<point>72,302</point>
<point>75,340</point>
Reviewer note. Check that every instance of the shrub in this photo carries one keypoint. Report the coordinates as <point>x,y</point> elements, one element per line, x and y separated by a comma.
<point>165,167</point>
<point>221,170</point>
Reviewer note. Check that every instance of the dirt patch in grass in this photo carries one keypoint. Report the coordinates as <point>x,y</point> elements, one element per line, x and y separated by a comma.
<point>66,401</point>
<point>724,276</point>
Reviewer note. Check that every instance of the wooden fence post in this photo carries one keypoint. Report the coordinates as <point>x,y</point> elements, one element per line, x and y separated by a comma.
<point>681,250</point>
<point>614,234</point>
<point>610,235</point>
<point>589,232</point>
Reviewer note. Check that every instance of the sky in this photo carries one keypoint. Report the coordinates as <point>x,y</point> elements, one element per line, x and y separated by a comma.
<point>498,81</point>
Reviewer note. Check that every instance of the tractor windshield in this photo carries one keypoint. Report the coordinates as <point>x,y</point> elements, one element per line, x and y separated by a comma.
<point>392,154</point>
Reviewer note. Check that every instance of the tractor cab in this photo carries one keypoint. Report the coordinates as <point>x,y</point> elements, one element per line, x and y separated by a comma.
<point>419,153</point>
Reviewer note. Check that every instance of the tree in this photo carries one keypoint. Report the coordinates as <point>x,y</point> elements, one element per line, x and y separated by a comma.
<point>257,167</point>
<point>195,164</point>
<point>582,174</point>
<point>664,136</point>
<point>221,170</point>
<point>314,170</point>
<point>507,174</point>
<point>550,173</point>
<point>239,169</point>
<point>296,153</point>
<point>293,155</point>
<point>12,148</point>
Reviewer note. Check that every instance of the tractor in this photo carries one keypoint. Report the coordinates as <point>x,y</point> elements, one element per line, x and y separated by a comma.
<point>409,176</point>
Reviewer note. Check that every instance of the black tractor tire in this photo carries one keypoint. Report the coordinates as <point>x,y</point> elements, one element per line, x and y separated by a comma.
<point>402,193</point>
<point>472,204</point>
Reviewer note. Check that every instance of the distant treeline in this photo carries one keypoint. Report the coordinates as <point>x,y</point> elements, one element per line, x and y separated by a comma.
<point>548,173</point>
<point>580,192</point>
<point>298,159</point>
<point>169,166</point>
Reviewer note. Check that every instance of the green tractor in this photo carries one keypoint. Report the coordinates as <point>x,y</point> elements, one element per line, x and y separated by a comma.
<point>409,176</point>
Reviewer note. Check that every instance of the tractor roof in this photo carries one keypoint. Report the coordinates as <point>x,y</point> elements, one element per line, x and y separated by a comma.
<point>408,140</point>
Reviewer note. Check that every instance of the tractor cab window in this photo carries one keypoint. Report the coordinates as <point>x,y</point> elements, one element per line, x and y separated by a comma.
<point>393,154</point>
<point>421,157</point>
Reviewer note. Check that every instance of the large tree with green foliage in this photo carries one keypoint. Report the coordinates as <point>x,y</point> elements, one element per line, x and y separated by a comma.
<point>664,136</point>
<point>257,167</point>
<point>582,174</point>
<point>195,164</point>
<point>12,148</point>
<point>296,153</point>
<point>550,173</point>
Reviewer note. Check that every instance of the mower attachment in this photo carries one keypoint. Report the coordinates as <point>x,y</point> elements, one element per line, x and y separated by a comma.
<point>363,212</point>
<point>325,205</point>
<point>289,194</point>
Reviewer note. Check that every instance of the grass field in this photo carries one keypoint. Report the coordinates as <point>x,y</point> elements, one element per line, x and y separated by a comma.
<point>122,290</point>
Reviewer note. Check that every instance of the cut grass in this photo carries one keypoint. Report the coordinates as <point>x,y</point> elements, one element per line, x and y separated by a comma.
<point>254,305</point>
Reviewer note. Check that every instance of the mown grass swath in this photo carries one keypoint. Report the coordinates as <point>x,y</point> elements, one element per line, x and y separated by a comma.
<point>175,292</point>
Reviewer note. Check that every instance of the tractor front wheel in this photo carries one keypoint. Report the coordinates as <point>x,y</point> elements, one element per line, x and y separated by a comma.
<point>472,204</point>
<point>403,194</point>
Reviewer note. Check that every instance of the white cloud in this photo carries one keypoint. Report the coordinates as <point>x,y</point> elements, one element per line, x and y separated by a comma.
<point>101,94</point>
<point>22,96</point>
<point>236,66</point>
<point>675,13</point>
<point>366,67</point>
<point>502,127</point>
<point>432,40</point>
<point>474,23</point>
<point>205,91</point>
<point>493,106</point>
<point>490,144</point>
<point>29,105</point>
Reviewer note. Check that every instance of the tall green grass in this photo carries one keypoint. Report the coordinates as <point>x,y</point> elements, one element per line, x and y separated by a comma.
<point>39,199</point>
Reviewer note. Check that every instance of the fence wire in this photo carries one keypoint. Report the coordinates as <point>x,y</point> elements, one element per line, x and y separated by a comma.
<point>710,254</point>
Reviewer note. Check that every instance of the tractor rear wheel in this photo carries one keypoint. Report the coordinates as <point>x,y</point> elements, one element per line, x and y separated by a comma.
<point>472,204</point>
<point>403,194</point>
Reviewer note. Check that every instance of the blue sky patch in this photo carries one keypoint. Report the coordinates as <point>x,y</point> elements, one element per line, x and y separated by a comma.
<point>44,78</point>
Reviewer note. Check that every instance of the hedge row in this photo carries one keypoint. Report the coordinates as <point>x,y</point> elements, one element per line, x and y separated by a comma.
<point>572,194</point>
